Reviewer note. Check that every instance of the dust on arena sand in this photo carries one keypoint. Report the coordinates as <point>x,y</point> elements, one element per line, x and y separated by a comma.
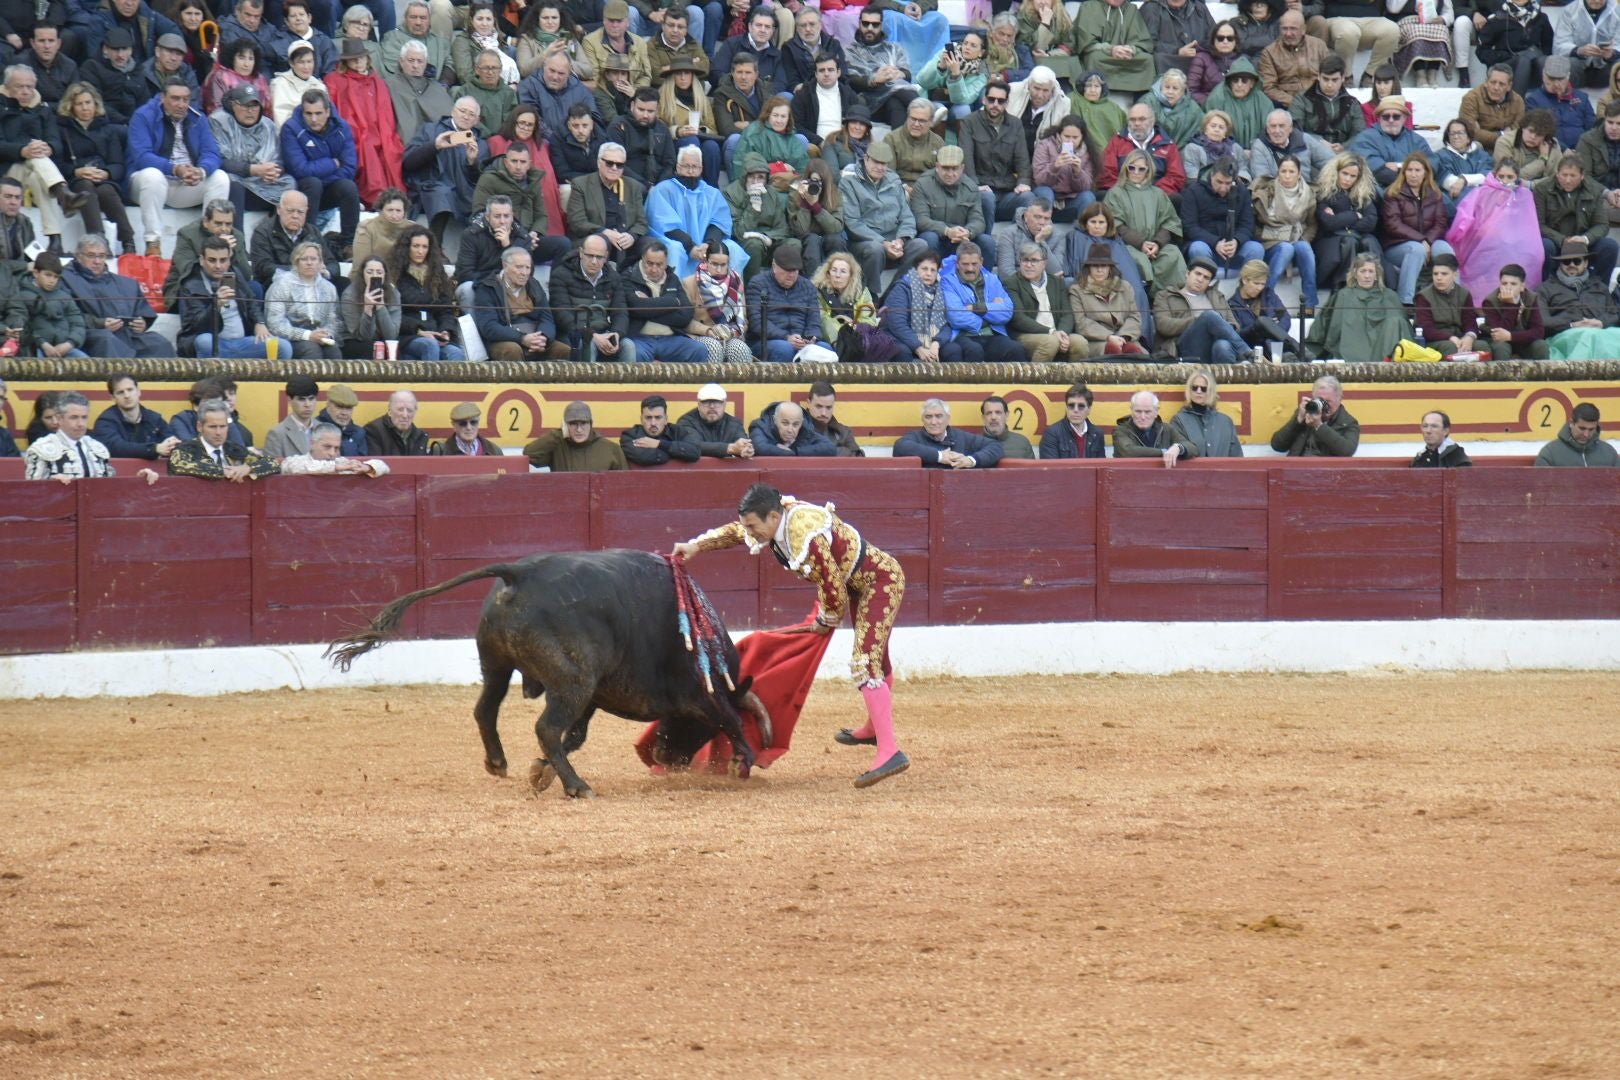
<point>1395,876</point>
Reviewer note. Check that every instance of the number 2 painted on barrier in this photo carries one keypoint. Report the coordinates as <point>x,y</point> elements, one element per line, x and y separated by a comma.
<point>1546,415</point>
<point>1018,418</point>
<point>512,416</point>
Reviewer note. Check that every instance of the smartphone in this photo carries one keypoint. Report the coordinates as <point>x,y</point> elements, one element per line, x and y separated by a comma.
<point>463,137</point>
<point>1068,148</point>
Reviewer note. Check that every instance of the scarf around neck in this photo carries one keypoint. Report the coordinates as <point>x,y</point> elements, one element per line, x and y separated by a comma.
<point>722,298</point>
<point>927,308</point>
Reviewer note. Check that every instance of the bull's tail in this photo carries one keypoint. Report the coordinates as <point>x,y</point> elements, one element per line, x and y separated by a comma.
<point>344,650</point>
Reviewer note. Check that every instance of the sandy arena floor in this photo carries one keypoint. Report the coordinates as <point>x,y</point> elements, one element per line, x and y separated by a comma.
<point>1289,877</point>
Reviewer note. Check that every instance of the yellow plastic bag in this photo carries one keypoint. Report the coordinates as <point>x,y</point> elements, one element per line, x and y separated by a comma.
<point>1410,352</point>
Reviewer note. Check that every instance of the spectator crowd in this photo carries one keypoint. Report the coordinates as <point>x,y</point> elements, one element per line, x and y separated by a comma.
<point>663,181</point>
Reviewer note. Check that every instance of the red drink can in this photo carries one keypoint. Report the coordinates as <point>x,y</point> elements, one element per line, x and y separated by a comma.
<point>379,351</point>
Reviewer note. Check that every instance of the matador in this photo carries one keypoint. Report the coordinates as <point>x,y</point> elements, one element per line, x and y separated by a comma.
<point>813,542</point>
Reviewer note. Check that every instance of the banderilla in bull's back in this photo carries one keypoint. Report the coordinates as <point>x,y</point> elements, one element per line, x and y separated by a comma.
<point>594,630</point>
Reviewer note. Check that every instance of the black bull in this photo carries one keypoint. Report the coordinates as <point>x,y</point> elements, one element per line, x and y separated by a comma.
<point>590,630</point>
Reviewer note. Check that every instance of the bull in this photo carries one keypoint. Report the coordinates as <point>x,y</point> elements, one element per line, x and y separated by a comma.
<point>589,630</point>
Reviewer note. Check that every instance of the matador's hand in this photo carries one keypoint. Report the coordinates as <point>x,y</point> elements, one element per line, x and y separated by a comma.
<point>686,551</point>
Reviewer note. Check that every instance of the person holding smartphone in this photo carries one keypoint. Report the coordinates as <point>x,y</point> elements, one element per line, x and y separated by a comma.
<point>370,310</point>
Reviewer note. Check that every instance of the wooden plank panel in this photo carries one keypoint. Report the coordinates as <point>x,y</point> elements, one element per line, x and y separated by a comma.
<point>1190,566</point>
<point>312,584</point>
<point>1496,487</point>
<point>179,583</point>
<point>977,603</point>
<point>339,497</point>
<point>1192,528</point>
<point>1190,488</point>
<point>167,539</point>
<point>1517,523</point>
<point>39,538</point>
<point>1361,604</point>
<point>852,490</point>
<point>1394,541</point>
<point>1035,569</point>
<point>1139,602</point>
<point>1537,600</point>
<point>220,621</point>
<point>468,498</point>
<point>175,497</point>
<point>714,491</point>
<point>1052,508</point>
<point>1540,561</point>
<point>1374,569</point>
<point>340,540</point>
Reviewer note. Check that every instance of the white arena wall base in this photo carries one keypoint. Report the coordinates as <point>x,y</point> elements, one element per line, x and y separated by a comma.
<point>1092,648</point>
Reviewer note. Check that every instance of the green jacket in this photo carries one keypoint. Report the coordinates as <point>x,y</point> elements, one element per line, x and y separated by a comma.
<point>1360,325</point>
<point>1565,452</point>
<point>771,218</point>
<point>1570,213</point>
<point>494,105</point>
<point>528,201</point>
<point>553,450</point>
<point>759,139</point>
<point>50,318</point>
<point>1128,440</point>
<point>1339,437</point>
<point>1025,306</point>
<point>587,210</point>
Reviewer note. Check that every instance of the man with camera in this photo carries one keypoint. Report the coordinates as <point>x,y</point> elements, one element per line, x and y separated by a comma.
<point>443,162</point>
<point>219,316</point>
<point>1321,426</point>
<point>587,294</point>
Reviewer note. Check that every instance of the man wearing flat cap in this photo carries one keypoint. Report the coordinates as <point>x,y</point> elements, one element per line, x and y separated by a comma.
<point>716,432</point>
<point>291,436</point>
<point>341,401</point>
<point>882,228</point>
<point>168,61</point>
<point>577,447</point>
<point>465,440</point>
<point>614,37</point>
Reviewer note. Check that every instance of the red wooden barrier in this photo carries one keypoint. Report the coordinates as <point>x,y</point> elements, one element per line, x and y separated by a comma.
<point>187,562</point>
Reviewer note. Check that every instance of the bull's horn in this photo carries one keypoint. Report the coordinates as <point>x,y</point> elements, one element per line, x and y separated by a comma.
<point>762,717</point>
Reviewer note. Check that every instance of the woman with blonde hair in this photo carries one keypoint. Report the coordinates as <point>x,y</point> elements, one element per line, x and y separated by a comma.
<point>1148,223</point>
<point>302,306</point>
<point>91,157</point>
<point>849,318</point>
<point>1346,215</point>
<point>1213,142</point>
<point>683,105</point>
<point>1201,423</point>
<point>1362,322</point>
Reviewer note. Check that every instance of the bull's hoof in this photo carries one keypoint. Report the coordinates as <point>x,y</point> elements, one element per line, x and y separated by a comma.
<point>581,792</point>
<point>846,737</point>
<point>896,765</point>
<point>740,768</point>
<point>495,768</point>
<point>541,774</point>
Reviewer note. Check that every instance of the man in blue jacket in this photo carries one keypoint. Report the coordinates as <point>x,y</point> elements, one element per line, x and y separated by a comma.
<point>943,447</point>
<point>1386,144</point>
<point>317,149</point>
<point>129,429</point>
<point>978,308</point>
<point>784,313</point>
<point>172,160</point>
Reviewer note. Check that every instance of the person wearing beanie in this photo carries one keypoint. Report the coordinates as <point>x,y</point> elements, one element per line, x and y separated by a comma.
<point>52,321</point>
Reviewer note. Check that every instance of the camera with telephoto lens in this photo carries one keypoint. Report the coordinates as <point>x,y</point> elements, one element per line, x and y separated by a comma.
<point>813,186</point>
<point>1315,406</point>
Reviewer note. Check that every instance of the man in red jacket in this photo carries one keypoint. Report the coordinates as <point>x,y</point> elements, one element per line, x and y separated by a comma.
<point>1142,133</point>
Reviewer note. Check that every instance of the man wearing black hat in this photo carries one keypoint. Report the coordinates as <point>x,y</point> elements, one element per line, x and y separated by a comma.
<point>116,75</point>
<point>1574,298</point>
<point>291,436</point>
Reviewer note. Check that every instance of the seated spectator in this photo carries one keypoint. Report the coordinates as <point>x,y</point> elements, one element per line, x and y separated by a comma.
<point>275,238</point>
<point>250,152</point>
<point>1586,36</point>
<point>1389,144</point>
<point>654,441</point>
<point>1328,110</point>
<point>1386,82</point>
<point>28,136</point>
<point>588,298</point>
<point>127,428</point>
<point>378,234</point>
<point>1042,319</point>
<point>649,146</point>
<point>1412,224</point>
<point>1147,223</point>
<point>978,308</point>
<point>1114,39</point>
<point>914,143</point>
<point>1439,452</point>
<point>1533,146</point>
<point>287,89</point>
<point>173,160</point>
<point>168,61</point>
<point>1512,316</point>
<point>1261,318</point>
<point>1571,206</point>
<point>1321,426</point>
<point>465,439</point>
<point>214,455</point>
<point>1573,297</point>
<point>1074,436</point>
<point>239,64</point>
<point>916,315</point>
<point>69,453</point>
<point>8,444</point>
<point>486,237</point>
<point>946,209</point>
<point>93,154</point>
<point>217,219</point>
<point>301,306</point>
<point>996,154</point>
<point>1288,66</point>
<point>1445,313</point>
<point>1194,320</point>
<point>245,21</point>
<point>959,73</point>
<point>326,457</point>
<point>291,437</point>
<point>772,137</point>
<point>1096,228</point>
<point>513,175</point>
<point>781,431</point>
<point>1285,216</point>
<point>684,106</point>
<point>1105,307</point>
<point>1033,225</point>
<point>47,417</point>
<point>1492,109</point>
<point>339,412</point>
<point>608,204</point>
<point>1241,99</point>
<point>719,308</point>
<point>1174,110</point>
<point>1045,29</point>
<point>1258,27</point>
<point>1362,322</point>
<point>882,228</point>
<point>1461,163</point>
<point>418,99</point>
<point>1281,140</point>
<point>1571,108</point>
<point>1346,217</point>
<point>395,434</point>
<point>369,310</point>
<point>878,69</point>
<point>716,432</point>
<point>415,26</point>
<point>117,75</point>
<point>660,314</point>
<point>849,317</point>
<point>691,218</point>
<point>1141,433</point>
<point>1063,164</point>
<point>993,411</point>
<point>184,423</point>
<point>115,311</point>
<point>555,91</point>
<point>1212,143</point>
<point>941,446</point>
<point>487,82</point>
<point>1217,219</point>
<point>443,162</point>
<point>1200,424</point>
<point>1519,34</point>
<point>737,103</point>
<point>361,96</point>
<point>819,406</point>
<point>319,151</point>
<point>429,328</point>
<point>1579,445</point>
<point>783,308</point>
<point>576,147</point>
<point>674,41</point>
<point>49,315</point>
<point>758,212</point>
<point>1142,133</point>
<point>514,315</point>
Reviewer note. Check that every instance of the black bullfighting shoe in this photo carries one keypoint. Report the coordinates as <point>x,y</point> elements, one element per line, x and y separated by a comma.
<point>896,765</point>
<point>849,738</point>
